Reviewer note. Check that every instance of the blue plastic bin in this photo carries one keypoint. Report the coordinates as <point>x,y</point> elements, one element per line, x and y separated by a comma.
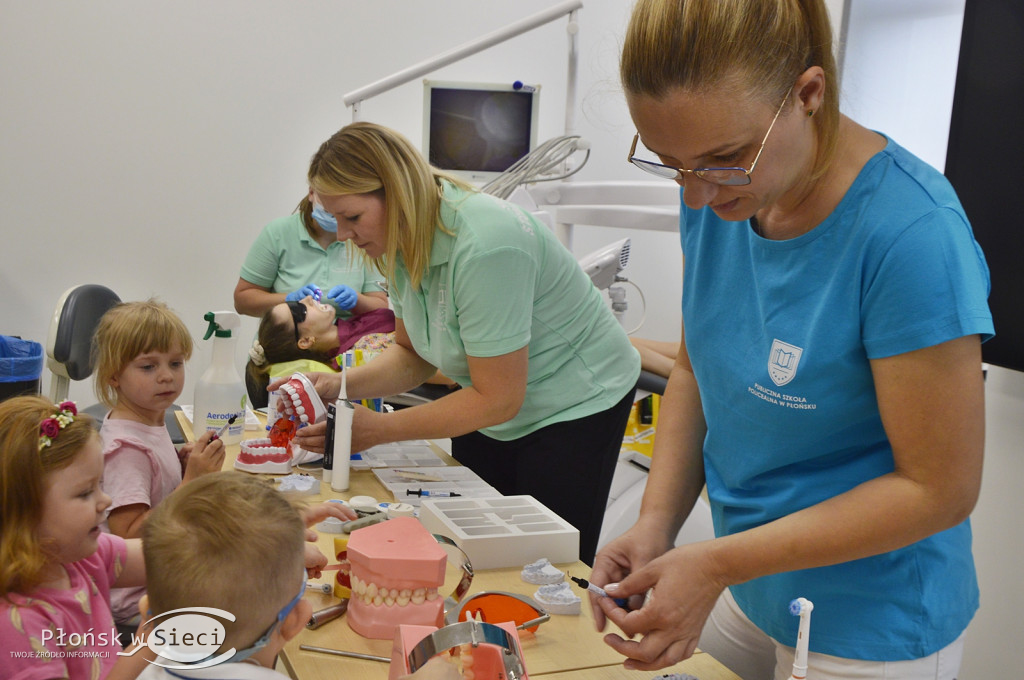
<point>21,366</point>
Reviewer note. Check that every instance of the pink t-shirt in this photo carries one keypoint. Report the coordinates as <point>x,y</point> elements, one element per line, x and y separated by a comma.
<point>65,633</point>
<point>141,465</point>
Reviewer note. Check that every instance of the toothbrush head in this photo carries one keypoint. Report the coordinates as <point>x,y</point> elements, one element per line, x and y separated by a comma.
<point>799,606</point>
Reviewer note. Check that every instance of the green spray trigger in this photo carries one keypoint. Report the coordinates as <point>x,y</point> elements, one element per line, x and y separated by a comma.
<point>221,324</point>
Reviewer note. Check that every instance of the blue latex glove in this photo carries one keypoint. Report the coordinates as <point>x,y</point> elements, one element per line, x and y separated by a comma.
<point>345,297</point>
<point>308,289</point>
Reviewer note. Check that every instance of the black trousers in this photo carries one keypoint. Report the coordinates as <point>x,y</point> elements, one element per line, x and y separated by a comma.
<point>566,466</point>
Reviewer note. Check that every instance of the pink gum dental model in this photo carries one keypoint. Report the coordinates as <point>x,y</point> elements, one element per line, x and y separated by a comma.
<point>397,567</point>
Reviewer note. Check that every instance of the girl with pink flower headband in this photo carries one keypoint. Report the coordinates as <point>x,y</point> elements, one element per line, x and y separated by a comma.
<point>56,566</point>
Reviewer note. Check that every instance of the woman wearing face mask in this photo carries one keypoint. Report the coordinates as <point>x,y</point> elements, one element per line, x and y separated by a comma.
<point>300,255</point>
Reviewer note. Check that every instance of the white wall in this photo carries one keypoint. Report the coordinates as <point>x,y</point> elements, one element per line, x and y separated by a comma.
<point>899,77</point>
<point>900,68</point>
<point>145,144</point>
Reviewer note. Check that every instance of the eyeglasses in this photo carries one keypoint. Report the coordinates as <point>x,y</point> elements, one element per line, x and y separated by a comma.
<point>265,638</point>
<point>499,607</point>
<point>723,176</point>
<point>298,311</point>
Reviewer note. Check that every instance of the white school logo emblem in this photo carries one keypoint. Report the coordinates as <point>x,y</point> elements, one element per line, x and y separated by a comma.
<point>782,362</point>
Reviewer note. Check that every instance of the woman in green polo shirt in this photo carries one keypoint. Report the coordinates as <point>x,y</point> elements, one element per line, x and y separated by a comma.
<point>295,255</point>
<point>485,293</point>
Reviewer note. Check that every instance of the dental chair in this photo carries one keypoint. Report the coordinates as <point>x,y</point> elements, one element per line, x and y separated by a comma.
<point>69,341</point>
<point>69,346</point>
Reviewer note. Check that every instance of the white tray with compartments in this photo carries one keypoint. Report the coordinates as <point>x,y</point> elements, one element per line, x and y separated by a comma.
<point>414,453</point>
<point>510,531</point>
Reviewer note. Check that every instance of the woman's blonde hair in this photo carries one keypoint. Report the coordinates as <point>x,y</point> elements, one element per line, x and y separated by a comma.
<point>128,330</point>
<point>366,158</point>
<point>24,467</point>
<point>761,46</point>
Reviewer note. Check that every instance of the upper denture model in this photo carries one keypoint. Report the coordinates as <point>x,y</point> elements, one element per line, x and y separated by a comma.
<point>302,401</point>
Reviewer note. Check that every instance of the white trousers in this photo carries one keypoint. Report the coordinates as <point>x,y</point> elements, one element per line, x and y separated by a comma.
<point>733,639</point>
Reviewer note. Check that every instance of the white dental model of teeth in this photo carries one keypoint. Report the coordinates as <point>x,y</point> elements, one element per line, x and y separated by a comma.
<point>557,598</point>
<point>371,593</point>
<point>302,401</point>
<point>542,573</point>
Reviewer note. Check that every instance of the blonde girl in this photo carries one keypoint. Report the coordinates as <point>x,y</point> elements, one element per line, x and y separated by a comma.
<point>140,350</point>
<point>56,566</point>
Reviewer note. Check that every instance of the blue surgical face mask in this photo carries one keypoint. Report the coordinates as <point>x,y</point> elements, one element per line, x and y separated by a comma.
<point>324,219</point>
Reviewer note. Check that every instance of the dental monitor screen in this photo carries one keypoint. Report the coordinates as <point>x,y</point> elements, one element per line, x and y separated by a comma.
<point>478,130</point>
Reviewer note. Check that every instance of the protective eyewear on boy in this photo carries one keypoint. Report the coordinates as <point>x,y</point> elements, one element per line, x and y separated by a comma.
<point>722,176</point>
<point>500,607</point>
<point>298,311</point>
<point>243,654</point>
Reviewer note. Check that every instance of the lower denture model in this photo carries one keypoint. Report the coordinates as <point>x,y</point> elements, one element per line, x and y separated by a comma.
<point>397,567</point>
<point>261,456</point>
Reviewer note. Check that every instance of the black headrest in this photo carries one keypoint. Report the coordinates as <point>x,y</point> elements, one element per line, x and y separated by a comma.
<point>83,308</point>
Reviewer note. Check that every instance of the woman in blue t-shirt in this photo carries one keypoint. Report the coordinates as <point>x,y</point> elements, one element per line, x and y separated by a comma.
<point>828,386</point>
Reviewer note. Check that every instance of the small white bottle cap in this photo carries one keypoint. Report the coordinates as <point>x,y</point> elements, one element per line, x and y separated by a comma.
<point>362,502</point>
<point>400,510</point>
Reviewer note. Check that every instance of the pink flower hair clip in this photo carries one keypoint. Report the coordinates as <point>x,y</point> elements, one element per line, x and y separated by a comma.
<point>51,427</point>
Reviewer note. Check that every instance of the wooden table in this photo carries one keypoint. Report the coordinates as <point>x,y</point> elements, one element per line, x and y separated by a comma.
<point>564,648</point>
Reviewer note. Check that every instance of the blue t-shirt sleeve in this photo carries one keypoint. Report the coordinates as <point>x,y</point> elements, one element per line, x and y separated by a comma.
<point>931,285</point>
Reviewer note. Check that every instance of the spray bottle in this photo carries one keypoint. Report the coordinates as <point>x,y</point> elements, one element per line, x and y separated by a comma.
<point>220,392</point>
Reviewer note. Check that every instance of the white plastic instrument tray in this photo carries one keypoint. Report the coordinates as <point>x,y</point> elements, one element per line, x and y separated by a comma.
<point>509,531</point>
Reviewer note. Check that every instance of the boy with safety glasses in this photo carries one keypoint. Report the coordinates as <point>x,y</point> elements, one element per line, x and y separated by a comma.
<point>230,541</point>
